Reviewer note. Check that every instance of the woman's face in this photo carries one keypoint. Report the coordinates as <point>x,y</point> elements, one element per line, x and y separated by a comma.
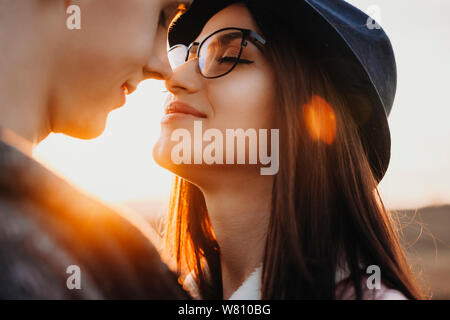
<point>119,44</point>
<point>241,99</point>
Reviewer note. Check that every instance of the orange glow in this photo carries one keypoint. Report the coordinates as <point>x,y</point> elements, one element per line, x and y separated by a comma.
<point>320,120</point>
<point>118,166</point>
<point>181,9</point>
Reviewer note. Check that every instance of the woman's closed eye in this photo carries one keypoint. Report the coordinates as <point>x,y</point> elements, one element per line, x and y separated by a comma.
<point>234,60</point>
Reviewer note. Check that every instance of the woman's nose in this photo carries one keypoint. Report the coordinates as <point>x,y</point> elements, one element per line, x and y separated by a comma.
<point>184,78</point>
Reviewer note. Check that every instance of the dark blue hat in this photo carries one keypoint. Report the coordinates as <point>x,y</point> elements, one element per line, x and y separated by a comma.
<point>356,51</point>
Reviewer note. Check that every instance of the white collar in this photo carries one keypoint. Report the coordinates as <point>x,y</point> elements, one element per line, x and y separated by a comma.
<point>250,289</point>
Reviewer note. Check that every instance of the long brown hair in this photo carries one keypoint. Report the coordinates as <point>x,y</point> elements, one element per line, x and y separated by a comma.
<point>326,210</point>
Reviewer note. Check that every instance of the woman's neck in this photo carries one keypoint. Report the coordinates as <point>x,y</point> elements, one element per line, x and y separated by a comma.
<point>239,210</point>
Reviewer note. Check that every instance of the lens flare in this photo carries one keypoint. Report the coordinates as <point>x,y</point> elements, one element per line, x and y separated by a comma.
<point>320,120</point>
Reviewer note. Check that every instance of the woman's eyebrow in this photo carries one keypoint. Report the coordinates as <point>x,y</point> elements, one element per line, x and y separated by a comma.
<point>228,37</point>
<point>224,38</point>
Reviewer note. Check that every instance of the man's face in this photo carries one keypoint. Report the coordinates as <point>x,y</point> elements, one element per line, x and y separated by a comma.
<point>120,43</point>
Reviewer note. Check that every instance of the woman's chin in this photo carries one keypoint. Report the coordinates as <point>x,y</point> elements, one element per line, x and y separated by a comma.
<point>195,174</point>
<point>162,156</point>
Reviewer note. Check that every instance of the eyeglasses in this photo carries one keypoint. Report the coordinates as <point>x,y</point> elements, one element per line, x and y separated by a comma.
<point>219,53</point>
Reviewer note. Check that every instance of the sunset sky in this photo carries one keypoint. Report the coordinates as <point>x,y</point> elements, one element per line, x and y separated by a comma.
<point>118,166</point>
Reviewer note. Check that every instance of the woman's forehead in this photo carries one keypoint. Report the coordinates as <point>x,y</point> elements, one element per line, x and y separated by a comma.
<point>235,15</point>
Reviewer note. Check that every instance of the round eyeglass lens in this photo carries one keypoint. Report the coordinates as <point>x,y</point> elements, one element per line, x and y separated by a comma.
<point>177,56</point>
<point>220,53</point>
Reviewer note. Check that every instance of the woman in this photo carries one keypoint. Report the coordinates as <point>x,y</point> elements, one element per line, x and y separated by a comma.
<point>317,228</point>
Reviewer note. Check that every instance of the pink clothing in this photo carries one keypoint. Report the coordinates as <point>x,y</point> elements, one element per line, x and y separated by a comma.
<point>250,289</point>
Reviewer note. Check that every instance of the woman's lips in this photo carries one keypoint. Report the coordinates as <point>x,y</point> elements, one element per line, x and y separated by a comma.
<point>178,109</point>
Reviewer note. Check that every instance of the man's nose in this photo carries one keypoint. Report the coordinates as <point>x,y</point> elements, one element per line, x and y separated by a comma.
<point>158,66</point>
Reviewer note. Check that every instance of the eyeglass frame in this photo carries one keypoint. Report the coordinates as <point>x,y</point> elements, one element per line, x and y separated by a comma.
<point>246,35</point>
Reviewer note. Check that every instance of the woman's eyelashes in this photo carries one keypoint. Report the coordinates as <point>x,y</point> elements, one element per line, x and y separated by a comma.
<point>234,60</point>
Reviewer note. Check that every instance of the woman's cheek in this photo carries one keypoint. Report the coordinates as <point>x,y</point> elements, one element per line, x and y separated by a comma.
<point>245,101</point>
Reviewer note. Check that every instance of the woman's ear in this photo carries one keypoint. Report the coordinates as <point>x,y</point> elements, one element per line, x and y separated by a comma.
<point>320,119</point>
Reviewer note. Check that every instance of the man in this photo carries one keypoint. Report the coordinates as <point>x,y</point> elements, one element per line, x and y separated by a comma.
<point>64,66</point>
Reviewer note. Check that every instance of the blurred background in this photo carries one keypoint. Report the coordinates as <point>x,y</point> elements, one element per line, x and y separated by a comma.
<point>118,167</point>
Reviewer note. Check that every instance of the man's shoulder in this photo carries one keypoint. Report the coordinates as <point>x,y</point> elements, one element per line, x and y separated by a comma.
<point>34,191</point>
<point>27,185</point>
<point>51,225</point>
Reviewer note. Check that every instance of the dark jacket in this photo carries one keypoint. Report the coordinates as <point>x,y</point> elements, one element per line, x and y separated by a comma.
<point>46,225</point>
